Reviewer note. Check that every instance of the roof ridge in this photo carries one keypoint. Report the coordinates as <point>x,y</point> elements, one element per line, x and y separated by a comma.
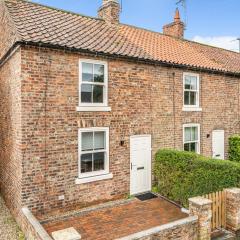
<point>55,8</point>
<point>207,45</point>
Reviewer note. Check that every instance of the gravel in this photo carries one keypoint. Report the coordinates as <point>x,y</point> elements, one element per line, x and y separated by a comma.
<point>9,229</point>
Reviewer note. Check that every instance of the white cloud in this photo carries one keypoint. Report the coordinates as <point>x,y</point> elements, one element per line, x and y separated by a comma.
<point>227,42</point>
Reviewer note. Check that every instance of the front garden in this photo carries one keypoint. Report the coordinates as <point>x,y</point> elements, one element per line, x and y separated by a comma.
<point>181,175</point>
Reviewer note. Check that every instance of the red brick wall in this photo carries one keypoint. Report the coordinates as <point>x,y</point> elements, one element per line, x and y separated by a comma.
<point>145,99</point>
<point>10,132</point>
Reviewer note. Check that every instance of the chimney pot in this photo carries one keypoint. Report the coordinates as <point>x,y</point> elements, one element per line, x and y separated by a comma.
<point>177,17</point>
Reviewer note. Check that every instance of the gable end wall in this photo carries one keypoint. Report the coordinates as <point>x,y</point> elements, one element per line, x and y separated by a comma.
<point>8,35</point>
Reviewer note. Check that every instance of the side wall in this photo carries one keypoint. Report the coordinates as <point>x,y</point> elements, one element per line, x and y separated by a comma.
<point>8,34</point>
<point>144,100</point>
<point>10,132</point>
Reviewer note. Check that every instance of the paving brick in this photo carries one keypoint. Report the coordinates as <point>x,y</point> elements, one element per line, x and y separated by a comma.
<point>120,221</point>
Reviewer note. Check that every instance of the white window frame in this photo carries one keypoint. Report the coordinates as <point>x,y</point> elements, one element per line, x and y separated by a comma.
<point>98,175</point>
<point>197,106</point>
<point>199,136</point>
<point>94,107</point>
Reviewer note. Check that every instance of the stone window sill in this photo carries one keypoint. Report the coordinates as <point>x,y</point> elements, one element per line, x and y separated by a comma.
<point>94,178</point>
<point>93,109</point>
<point>192,109</point>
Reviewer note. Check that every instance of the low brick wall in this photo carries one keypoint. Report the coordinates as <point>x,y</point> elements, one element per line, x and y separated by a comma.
<point>184,229</point>
<point>31,227</point>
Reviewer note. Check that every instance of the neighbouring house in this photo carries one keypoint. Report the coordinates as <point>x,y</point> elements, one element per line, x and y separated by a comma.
<point>86,102</point>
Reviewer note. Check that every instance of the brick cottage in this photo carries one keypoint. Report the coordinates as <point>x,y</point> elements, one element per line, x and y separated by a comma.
<point>86,102</point>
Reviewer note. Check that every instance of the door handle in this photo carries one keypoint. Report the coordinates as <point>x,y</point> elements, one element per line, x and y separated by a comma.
<point>132,165</point>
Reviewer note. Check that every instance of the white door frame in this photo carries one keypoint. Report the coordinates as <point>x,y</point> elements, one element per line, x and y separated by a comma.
<point>150,164</point>
<point>213,153</point>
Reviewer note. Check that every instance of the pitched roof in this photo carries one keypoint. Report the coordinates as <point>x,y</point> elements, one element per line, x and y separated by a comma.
<point>41,24</point>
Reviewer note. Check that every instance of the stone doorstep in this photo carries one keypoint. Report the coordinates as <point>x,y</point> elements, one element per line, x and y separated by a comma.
<point>66,234</point>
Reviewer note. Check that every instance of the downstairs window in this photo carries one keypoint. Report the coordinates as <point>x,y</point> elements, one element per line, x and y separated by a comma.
<point>93,152</point>
<point>191,138</point>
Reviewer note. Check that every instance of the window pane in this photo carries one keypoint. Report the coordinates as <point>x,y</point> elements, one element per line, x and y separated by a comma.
<point>98,73</point>
<point>86,93</point>
<point>194,134</point>
<point>187,82</point>
<point>186,98</point>
<point>187,147</point>
<point>187,136</point>
<point>193,100</point>
<point>86,163</point>
<point>87,141</point>
<point>98,160</point>
<point>194,83</point>
<point>193,147</point>
<point>98,94</point>
<point>99,140</point>
<point>87,72</point>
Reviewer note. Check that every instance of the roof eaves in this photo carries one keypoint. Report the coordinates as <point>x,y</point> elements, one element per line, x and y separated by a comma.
<point>145,60</point>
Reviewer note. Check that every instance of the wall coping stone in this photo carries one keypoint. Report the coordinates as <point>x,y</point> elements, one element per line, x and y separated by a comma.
<point>233,190</point>
<point>35,224</point>
<point>158,229</point>
<point>200,201</point>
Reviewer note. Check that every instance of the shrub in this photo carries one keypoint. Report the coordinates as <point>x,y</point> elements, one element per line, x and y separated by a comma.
<point>234,148</point>
<point>181,175</point>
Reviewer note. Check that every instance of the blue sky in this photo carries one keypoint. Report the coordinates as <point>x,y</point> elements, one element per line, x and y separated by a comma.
<point>215,22</point>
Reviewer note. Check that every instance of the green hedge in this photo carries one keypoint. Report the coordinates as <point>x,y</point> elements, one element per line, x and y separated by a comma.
<point>234,148</point>
<point>181,175</point>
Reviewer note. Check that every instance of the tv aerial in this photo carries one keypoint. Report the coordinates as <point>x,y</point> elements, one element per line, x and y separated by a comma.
<point>183,4</point>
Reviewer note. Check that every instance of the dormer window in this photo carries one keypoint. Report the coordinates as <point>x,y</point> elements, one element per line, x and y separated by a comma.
<point>93,86</point>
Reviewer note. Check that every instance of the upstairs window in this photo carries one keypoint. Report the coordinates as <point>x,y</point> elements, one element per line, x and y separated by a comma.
<point>93,89</point>
<point>191,138</point>
<point>191,90</point>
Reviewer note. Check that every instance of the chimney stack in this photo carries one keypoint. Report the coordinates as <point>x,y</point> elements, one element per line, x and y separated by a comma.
<point>110,11</point>
<point>176,28</point>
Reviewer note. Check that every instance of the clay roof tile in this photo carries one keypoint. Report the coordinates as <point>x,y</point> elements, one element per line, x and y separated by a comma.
<point>38,23</point>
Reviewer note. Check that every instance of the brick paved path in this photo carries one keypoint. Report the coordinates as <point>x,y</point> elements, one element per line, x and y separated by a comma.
<point>8,227</point>
<point>120,221</point>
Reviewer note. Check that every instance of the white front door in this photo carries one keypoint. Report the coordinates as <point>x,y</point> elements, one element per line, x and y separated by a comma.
<point>140,164</point>
<point>218,144</point>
